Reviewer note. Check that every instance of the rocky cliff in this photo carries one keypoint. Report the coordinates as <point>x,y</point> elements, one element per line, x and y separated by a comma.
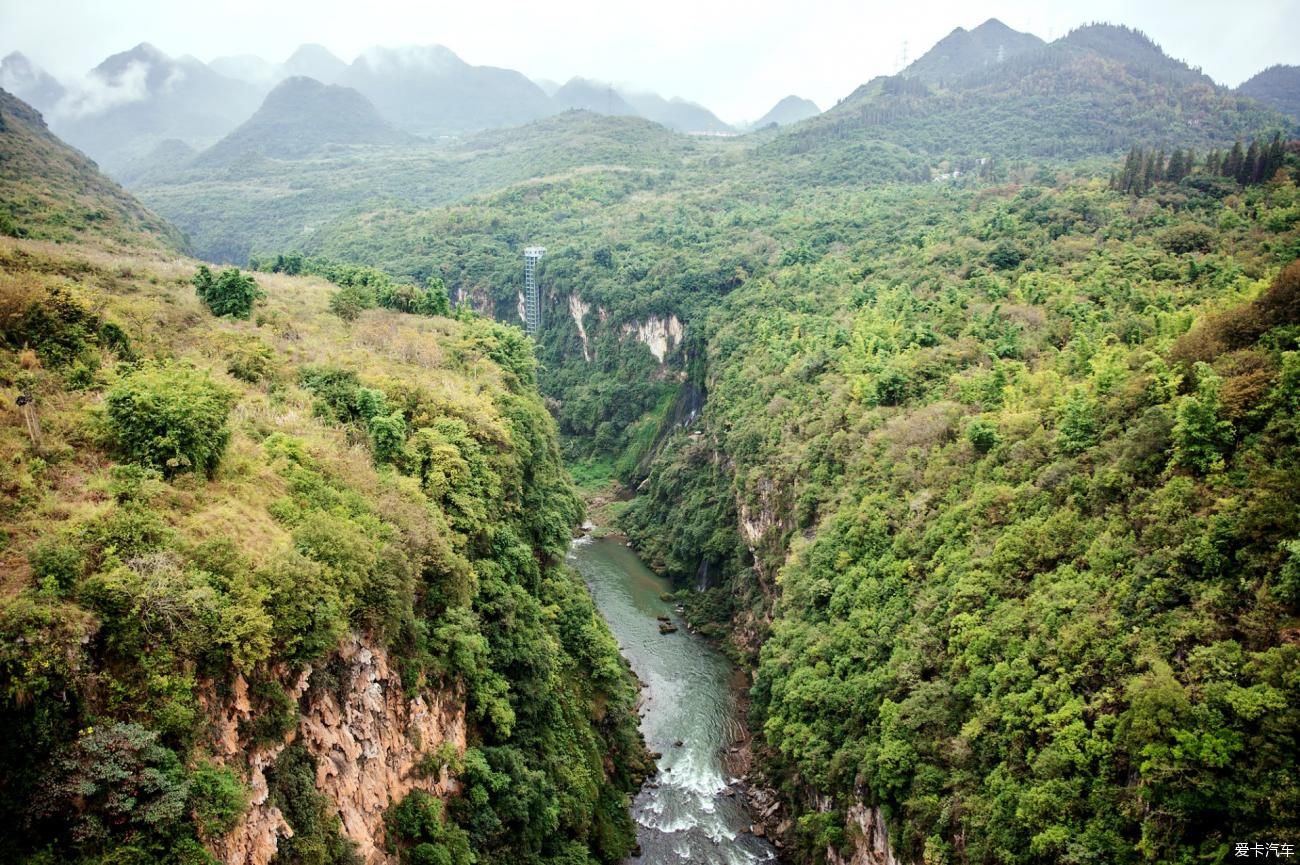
<point>370,740</point>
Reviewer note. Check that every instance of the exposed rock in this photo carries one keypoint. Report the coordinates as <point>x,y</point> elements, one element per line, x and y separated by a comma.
<point>369,740</point>
<point>659,335</point>
<point>579,311</point>
<point>369,749</point>
<point>870,839</point>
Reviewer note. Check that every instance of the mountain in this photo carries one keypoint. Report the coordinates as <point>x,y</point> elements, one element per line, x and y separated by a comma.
<point>30,83</point>
<point>1278,87</point>
<point>1098,90</point>
<point>231,210</point>
<point>548,86</point>
<point>964,51</point>
<point>430,91</point>
<point>49,190</point>
<point>676,114</point>
<point>135,99</point>
<point>245,67</point>
<point>313,61</point>
<point>300,117</point>
<point>586,95</point>
<point>163,160</point>
<point>789,110</point>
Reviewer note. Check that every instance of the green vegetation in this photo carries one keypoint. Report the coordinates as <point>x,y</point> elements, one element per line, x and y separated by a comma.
<point>229,293</point>
<point>49,191</point>
<point>977,442</point>
<point>1025,524</point>
<point>198,491</point>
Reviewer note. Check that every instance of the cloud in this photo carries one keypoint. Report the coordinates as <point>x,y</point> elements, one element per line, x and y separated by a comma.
<point>93,94</point>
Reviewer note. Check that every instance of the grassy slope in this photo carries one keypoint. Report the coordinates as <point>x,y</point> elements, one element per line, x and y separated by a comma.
<point>49,190</point>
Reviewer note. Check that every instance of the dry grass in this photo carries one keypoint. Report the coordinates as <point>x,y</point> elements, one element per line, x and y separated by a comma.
<point>63,481</point>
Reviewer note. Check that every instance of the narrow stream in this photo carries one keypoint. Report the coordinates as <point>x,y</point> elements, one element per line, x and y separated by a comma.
<point>690,811</point>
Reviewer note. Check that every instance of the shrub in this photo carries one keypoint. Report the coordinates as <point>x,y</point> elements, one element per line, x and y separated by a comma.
<point>425,837</point>
<point>229,293</point>
<point>170,417</point>
<point>1187,238</point>
<point>250,360</point>
<point>217,799</point>
<point>350,301</point>
<point>56,563</point>
<point>983,434</point>
<point>274,713</point>
<point>113,782</point>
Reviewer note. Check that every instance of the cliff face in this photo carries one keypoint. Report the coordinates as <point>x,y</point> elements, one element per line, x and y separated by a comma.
<point>369,740</point>
<point>870,839</point>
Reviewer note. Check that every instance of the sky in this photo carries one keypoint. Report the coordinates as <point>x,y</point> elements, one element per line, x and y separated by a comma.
<point>737,58</point>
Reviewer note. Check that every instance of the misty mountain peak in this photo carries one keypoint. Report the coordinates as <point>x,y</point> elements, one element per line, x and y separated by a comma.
<point>425,59</point>
<point>29,82</point>
<point>790,109</point>
<point>963,51</point>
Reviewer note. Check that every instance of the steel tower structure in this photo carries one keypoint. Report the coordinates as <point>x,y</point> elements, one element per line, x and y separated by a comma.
<point>532,295</point>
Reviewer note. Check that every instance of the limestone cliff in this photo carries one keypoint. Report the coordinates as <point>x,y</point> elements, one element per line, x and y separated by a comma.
<point>370,741</point>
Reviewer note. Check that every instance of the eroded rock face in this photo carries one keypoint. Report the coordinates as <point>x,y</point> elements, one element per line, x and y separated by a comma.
<point>870,839</point>
<point>660,335</point>
<point>369,746</point>
<point>370,742</point>
<point>579,309</point>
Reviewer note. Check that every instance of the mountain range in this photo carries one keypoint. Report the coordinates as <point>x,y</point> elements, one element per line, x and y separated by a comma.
<point>134,101</point>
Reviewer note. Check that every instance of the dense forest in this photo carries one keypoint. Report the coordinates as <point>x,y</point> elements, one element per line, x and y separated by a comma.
<point>965,417</point>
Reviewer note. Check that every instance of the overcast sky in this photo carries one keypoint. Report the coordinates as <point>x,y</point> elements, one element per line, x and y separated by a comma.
<point>737,58</point>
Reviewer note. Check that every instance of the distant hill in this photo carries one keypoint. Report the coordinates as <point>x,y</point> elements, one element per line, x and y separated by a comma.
<point>163,160</point>
<point>49,190</point>
<point>964,51</point>
<point>1278,87</point>
<point>310,61</point>
<point>298,118</point>
<point>1098,90</point>
<point>313,61</point>
<point>260,205</point>
<point>139,97</point>
<point>30,83</point>
<point>430,91</point>
<point>678,114</point>
<point>789,110</point>
<point>586,95</point>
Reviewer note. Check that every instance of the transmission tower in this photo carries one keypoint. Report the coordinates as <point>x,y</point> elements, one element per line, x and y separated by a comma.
<point>532,295</point>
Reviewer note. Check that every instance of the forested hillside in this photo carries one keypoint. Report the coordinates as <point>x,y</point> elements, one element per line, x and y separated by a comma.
<point>279,586</point>
<point>1010,483</point>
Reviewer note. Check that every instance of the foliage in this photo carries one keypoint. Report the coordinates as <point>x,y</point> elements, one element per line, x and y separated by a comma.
<point>398,480</point>
<point>417,824</point>
<point>229,293</point>
<point>170,417</point>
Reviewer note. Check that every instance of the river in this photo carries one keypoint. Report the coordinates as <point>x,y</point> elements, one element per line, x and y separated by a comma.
<point>691,811</point>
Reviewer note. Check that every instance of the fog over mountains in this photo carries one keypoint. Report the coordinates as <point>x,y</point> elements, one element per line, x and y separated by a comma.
<point>134,100</point>
<point>142,108</point>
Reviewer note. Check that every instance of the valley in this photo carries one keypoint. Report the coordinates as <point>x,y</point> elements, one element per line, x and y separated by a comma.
<point>945,445</point>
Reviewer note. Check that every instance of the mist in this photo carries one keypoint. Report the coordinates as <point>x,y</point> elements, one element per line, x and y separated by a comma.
<point>737,59</point>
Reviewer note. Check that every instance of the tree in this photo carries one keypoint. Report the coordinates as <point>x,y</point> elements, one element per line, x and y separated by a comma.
<point>170,417</point>
<point>1076,430</point>
<point>231,293</point>
<point>1200,437</point>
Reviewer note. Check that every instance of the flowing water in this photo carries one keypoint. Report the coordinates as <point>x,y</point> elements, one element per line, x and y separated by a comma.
<point>691,811</point>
